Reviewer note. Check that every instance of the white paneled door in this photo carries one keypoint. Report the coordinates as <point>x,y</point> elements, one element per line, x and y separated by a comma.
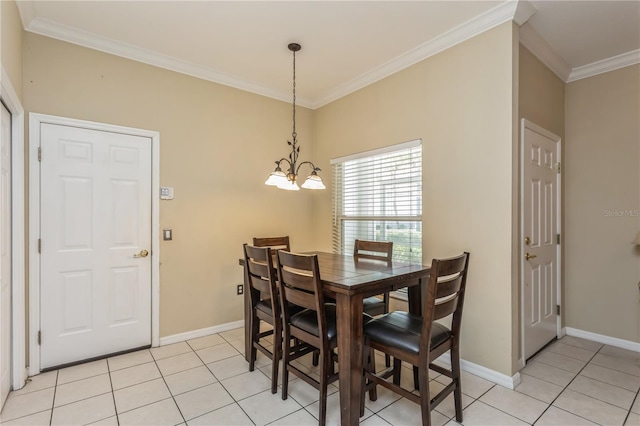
<point>5,255</point>
<point>95,278</point>
<point>541,169</point>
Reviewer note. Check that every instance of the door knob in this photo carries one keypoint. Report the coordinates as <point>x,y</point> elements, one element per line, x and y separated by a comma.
<point>530,256</point>
<point>144,253</point>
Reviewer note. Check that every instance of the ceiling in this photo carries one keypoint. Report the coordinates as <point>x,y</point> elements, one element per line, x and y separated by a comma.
<point>346,45</point>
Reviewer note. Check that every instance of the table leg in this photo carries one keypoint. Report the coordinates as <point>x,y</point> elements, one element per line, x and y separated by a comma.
<point>349,356</point>
<point>415,307</point>
<point>414,294</point>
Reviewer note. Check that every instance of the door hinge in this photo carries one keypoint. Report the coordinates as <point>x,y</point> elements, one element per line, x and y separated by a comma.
<point>39,245</point>
<point>39,337</point>
<point>557,309</point>
<point>39,154</point>
<point>557,238</point>
<point>558,167</point>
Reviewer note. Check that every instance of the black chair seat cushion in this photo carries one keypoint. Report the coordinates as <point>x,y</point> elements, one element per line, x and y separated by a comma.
<point>265,306</point>
<point>307,320</point>
<point>402,330</point>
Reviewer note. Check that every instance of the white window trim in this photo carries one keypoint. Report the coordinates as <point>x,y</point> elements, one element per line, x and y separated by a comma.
<point>391,148</point>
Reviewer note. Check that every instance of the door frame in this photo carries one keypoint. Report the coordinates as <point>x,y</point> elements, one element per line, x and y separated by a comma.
<point>35,120</point>
<point>526,124</point>
<point>12,102</point>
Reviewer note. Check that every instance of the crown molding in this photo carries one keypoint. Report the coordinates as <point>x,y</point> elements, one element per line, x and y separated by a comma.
<point>518,11</point>
<point>605,65</point>
<point>544,52</point>
<point>500,14</point>
<point>524,11</point>
<point>490,19</point>
<point>104,44</point>
<point>27,12</point>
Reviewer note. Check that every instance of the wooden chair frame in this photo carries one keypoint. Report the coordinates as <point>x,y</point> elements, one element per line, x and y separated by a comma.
<point>445,296</point>
<point>378,251</point>
<point>300,285</point>
<point>262,282</point>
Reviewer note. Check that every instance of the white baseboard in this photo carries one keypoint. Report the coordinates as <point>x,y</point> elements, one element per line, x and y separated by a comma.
<point>601,338</point>
<point>509,382</point>
<point>194,334</point>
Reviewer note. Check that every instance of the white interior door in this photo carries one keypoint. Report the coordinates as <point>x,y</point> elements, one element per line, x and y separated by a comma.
<point>5,255</point>
<point>95,277</point>
<point>540,206</point>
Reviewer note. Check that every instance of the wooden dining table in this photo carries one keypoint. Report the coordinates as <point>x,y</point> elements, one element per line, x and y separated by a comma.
<point>349,281</point>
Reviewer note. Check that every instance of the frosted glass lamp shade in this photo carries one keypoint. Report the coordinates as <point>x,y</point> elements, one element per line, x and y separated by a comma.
<point>313,182</point>
<point>276,178</point>
<point>289,185</point>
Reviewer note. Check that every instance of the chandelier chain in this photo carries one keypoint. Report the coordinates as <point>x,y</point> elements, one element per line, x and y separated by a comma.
<point>294,134</point>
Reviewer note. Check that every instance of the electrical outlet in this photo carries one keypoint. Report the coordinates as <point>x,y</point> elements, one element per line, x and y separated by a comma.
<point>240,289</point>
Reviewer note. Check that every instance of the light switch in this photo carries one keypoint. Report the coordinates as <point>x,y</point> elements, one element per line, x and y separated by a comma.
<point>167,234</point>
<point>166,193</point>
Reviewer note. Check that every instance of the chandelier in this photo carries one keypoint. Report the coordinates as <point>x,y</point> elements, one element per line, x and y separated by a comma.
<point>288,180</point>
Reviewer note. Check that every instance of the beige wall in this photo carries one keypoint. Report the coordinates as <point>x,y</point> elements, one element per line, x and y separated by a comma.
<point>459,103</point>
<point>11,44</point>
<point>217,146</point>
<point>541,94</point>
<point>602,203</point>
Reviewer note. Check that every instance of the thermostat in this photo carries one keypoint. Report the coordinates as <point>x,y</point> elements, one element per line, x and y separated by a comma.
<point>166,193</point>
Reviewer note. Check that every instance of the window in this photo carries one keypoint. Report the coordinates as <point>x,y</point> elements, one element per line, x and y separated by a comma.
<point>378,196</point>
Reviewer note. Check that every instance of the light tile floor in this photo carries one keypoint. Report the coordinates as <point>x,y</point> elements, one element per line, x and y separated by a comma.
<point>206,381</point>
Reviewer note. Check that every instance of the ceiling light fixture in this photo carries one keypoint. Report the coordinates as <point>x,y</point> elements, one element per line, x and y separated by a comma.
<point>288,180</point>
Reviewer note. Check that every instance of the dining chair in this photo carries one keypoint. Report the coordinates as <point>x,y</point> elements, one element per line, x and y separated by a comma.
<point>276,243</point>
<point>265,306</point>
<point>279,243</point>
<point>379,251</point>
<point>420,340</point>
<point>312,329</point>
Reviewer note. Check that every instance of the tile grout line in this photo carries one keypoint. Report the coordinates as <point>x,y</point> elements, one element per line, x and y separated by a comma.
<point>488,405</point>
<point>223,387</point>
<point>629,412</point>
<point>53,402</point>
<point>113,394</point>
<point>567,388</point>
<point>184,420</point>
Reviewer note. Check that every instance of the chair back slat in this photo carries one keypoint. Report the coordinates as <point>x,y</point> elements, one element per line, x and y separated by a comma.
<point>452,266</point>
<point>444,309</point>
<point>448,286</point>
<point>259,268</point>
<point>300,298</point>
<point>276,243</point>
<point>297,279</point>
<point>374,250</point>
<point>259,283</point>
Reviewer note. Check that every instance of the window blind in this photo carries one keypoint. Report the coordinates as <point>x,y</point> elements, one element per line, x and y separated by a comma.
<point>378,196</point>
